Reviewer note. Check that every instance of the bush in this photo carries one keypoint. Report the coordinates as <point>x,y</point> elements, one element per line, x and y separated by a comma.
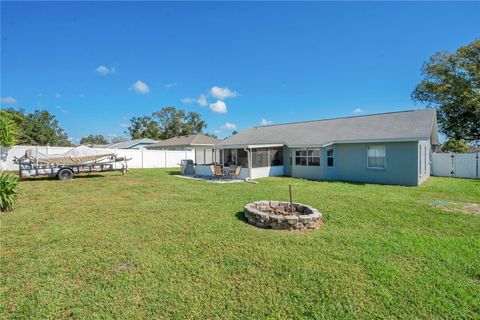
<point>8,191</point>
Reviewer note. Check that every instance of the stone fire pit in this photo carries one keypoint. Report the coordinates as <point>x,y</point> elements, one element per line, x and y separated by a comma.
<point>277,215</point>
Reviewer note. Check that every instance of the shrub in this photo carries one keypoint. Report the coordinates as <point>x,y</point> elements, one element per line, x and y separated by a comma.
<point>8,191</point>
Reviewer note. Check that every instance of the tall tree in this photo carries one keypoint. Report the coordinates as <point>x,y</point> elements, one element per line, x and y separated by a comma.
<point>38,128</point>
<point>144,127</point>
<point>452,85</point>
<point>166,123</point>
<point>94,139</point>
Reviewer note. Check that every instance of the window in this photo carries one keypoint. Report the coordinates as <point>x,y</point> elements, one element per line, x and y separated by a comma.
<point>329,157</point>
<point>376,157</point>
<point>308,157</point>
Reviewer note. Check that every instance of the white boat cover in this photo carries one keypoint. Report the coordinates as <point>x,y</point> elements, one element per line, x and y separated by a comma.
<point>77,155</point>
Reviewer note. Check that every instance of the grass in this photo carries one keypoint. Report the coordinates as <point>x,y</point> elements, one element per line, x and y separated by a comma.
<point>151,245</point>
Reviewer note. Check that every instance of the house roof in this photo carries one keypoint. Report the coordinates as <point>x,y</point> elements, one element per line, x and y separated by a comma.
<point>392,126</point>
<point>129,144</point>
<point>182,141</point>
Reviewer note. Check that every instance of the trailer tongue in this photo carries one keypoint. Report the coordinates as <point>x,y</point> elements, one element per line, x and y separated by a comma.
<point>65,165</point>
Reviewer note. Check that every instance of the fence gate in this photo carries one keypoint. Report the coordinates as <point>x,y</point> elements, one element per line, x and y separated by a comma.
<point>458,165</point>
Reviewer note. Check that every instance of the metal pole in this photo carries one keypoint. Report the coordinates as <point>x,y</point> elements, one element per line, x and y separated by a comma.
<point>452,171</point>
<point>291,202</point>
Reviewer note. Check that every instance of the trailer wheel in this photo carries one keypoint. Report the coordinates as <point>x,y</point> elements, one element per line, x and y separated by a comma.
<point>65,174</point>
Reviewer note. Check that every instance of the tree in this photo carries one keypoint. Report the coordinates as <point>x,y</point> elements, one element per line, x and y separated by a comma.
<point>8,131</point>
<point>453,145</point>
<point>118,139</point>
<point>144,127</point>
<point>211,135</point>
<point>38,128</point>
<point>234,132</point>
<point>94,139</point>
<point>166,123</point>
<point>452,85</point>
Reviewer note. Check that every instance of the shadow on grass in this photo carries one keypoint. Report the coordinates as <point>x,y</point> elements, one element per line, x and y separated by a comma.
<point>240,215</point>
<point>44,178</point>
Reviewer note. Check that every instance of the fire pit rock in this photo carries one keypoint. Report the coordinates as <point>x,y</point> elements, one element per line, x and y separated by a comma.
<point>278,215</point>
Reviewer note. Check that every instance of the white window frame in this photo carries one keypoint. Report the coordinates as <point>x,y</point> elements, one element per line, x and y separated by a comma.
<point>384,157</point>
<point>308,157</point>
<point>333,157</point>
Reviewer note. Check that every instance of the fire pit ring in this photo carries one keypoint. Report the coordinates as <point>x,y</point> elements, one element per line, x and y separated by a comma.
<point>279,216</point>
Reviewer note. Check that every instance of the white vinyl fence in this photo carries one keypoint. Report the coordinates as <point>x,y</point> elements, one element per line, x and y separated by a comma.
<point>140,158</point>
<point>458,165</point>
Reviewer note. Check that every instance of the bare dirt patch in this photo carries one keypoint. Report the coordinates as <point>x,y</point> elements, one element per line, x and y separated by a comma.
<point>468,208</point>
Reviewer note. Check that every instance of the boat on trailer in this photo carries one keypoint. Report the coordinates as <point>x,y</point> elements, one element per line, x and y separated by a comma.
<point>65,166</point>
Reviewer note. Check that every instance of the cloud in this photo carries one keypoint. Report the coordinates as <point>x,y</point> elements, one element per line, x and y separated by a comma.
<point>217,131</point>
<point>357,110</point>
<point>124,125</point>
<point>62,109</point>
<point>222,93</point>
<point>219,107</point>
<point>57,95</point>
<point>140,87</point>
<point>202,100</point>
<point>229,126</point>
<point>8,100</point>
<point>171,85</point>
<point>103,70</point>
<point>265,122</point>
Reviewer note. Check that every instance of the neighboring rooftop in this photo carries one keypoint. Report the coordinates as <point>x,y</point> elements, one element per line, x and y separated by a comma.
<point>402,125</point>
<point>129,144</point>
<point>183,141</point>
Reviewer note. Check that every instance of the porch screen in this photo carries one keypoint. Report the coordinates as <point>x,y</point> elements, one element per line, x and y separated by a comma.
<point>260,157</point>
<point>276,157</point>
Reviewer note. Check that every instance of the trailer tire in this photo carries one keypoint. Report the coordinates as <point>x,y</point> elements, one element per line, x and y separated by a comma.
<point>65,174</point>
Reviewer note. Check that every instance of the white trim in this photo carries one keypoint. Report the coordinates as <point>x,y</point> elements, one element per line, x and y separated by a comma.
<point>249,146</point>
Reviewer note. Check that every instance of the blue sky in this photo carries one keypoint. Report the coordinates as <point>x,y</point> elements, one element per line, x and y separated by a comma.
<point>95,65</point>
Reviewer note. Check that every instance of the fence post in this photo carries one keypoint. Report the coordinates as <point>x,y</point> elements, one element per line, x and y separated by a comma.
<point>452,171</point>
<point>165,158</point>
<point>477,166</point>
<point>142,156</point>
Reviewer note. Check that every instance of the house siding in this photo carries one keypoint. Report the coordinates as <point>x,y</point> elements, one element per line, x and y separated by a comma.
<point>350,164</point>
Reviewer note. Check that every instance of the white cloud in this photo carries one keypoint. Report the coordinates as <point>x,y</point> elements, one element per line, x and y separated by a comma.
<point>217,131</point>
<point>219,107</point>
<point>8,100</point>
<point>171,85</point>
<point>229,126</point>
<point>140,87</point>
<point>222,93</point>
<point>124,125</point>
<point>62,109</point>
<point>202,100</point>
<point>357,110</point>
<point>103,70</point>
<point>265,122</point>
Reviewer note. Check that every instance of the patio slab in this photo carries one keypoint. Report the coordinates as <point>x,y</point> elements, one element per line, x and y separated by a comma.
<point>207,179</point>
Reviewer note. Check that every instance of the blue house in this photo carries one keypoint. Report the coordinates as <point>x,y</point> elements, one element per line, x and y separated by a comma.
<point>386,148</point>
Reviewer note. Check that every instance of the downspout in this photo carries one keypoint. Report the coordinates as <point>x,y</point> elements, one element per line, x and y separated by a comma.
<point>249,161</point>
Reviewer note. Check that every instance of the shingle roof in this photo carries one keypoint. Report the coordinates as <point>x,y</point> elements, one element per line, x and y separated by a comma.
<point>403,125</point>
<point>190,140</point>
<point>129,144</point>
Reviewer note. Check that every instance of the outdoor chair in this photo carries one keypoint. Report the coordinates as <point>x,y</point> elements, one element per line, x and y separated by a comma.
<point>236,173</point>
<point>218,172</point>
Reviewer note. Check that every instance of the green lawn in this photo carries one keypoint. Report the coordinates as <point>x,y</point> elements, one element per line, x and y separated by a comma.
<point>151,245</point>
